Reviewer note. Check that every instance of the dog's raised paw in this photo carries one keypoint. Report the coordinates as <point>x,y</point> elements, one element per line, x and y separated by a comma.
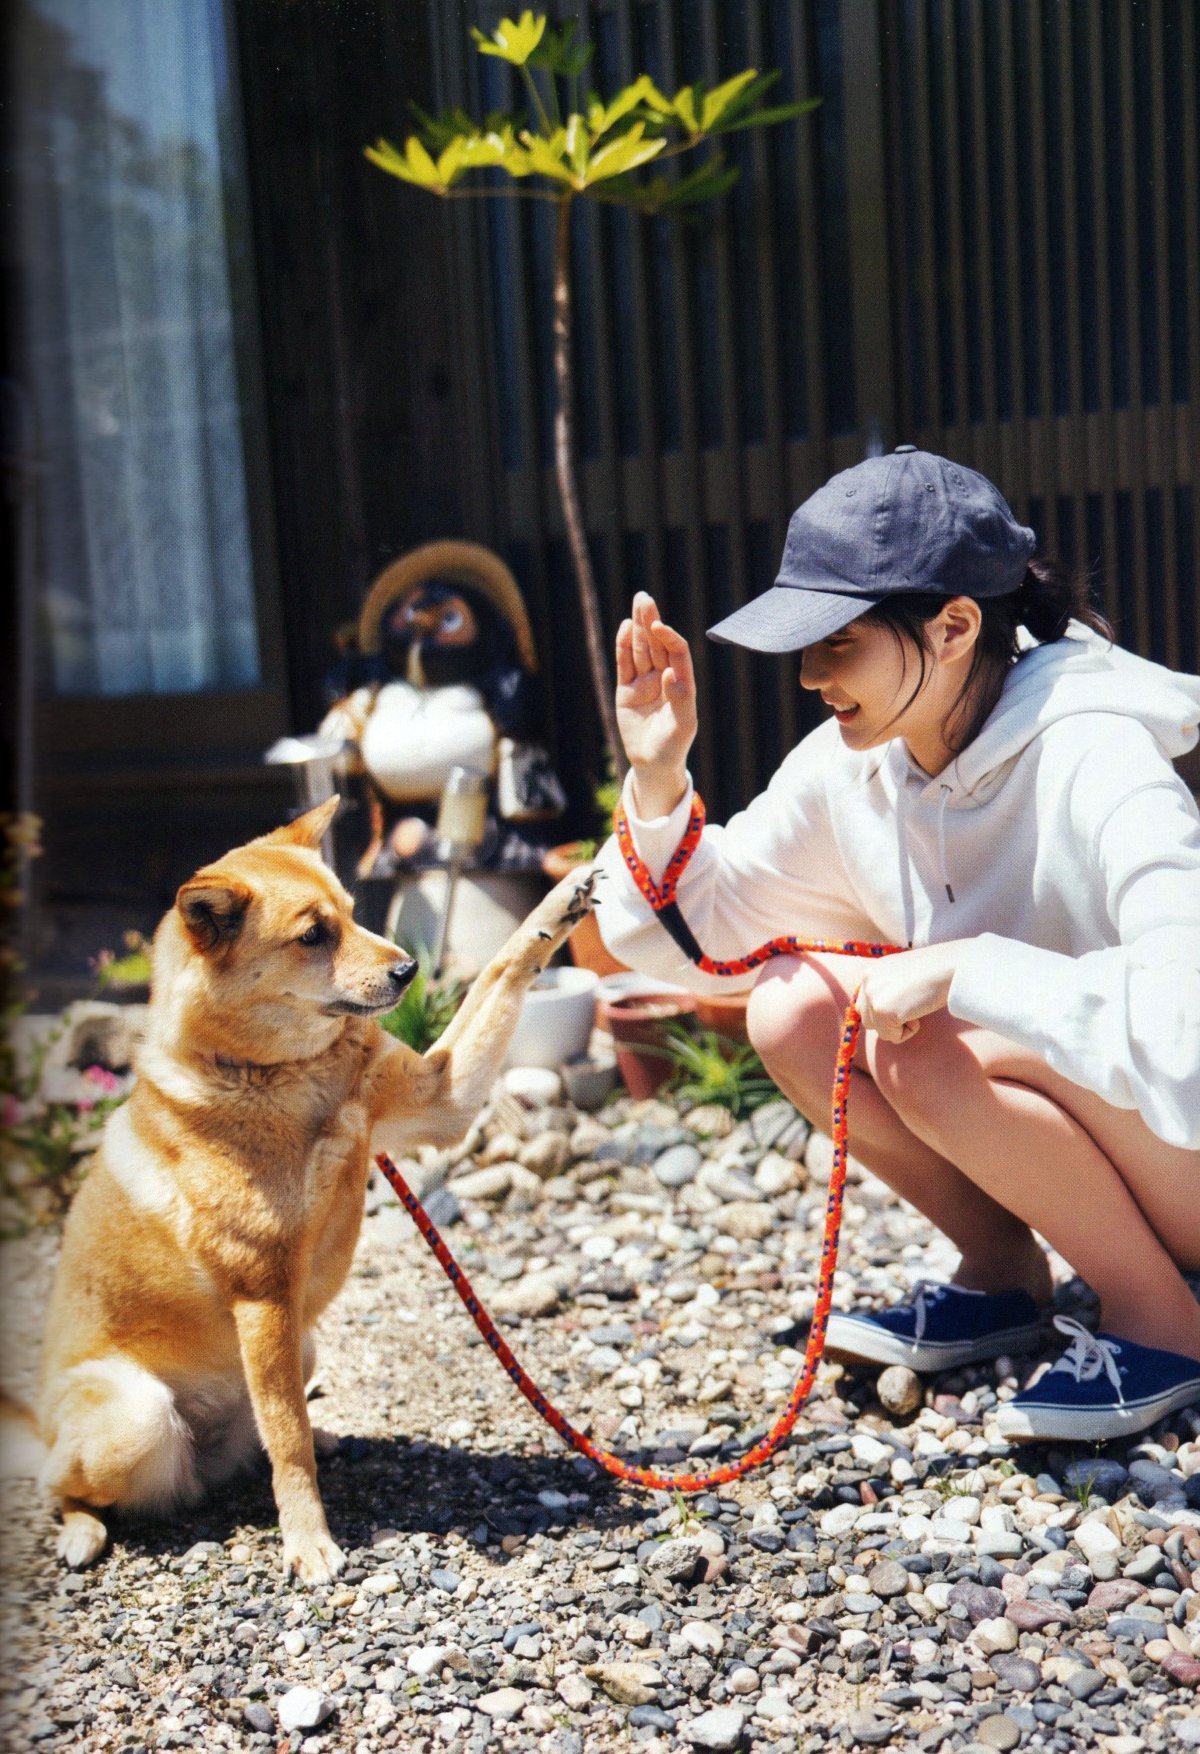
<point>312,1559</point>
<point>582,898</point>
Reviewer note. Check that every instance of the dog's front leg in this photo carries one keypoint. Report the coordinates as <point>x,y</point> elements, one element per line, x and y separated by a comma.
<point>271,1345</point>
<point>435,1097</point>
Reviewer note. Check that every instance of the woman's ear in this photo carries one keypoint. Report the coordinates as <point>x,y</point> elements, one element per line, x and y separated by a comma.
<point>958,625</point>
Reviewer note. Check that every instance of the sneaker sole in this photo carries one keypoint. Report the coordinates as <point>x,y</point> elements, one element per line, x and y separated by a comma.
<point>1058,1424</point>
<point>848,1341</point>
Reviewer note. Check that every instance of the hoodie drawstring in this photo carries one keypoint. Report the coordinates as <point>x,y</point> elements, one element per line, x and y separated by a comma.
<point>943,800</point>
<point>906,884</point>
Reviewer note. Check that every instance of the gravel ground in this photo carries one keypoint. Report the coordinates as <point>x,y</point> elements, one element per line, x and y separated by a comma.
<point>895,1578</point>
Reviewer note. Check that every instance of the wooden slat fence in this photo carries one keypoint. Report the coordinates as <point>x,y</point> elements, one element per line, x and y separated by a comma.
<point>986,241</point>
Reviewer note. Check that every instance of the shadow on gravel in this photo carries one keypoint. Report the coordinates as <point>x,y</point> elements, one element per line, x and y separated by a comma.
<point>374,1484</point>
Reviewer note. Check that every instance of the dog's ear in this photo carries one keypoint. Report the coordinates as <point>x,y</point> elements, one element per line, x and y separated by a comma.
<point>213,908</point>
<point>307,830</point>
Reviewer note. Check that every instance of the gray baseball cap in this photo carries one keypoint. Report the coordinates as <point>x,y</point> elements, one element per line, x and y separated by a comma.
<point>906,522</point>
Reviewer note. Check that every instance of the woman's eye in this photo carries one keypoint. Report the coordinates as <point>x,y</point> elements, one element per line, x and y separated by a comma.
<point>316,934</point>
<point>452,620</point>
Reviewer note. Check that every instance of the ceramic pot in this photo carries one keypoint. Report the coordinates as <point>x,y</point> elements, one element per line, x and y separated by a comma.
<point>638,1023</point>
<point>556,1020</point>
<point>724,1012</point>
<point>585,945</point>
<point>588,1082</point>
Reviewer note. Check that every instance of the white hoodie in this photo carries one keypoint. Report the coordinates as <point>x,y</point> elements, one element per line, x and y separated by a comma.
<point>1061,842</point>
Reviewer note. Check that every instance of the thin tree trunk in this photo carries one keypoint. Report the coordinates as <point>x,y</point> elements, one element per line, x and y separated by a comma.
<point>568,488</point>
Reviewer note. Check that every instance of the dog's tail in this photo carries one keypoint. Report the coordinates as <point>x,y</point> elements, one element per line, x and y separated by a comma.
<point>22,1451</point>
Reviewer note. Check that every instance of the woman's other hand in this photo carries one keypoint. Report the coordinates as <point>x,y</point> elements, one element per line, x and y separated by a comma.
<point>897,991</point>
<point>656,706</point>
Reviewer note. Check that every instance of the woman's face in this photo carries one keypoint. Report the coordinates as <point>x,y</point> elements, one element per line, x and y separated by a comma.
<point>865,674</point>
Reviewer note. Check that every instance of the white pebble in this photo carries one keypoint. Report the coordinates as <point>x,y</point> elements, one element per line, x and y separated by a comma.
<point>703,1636</point>
<point>991,1636</point>
<point>380,1583</point>
<point>840,1520</point>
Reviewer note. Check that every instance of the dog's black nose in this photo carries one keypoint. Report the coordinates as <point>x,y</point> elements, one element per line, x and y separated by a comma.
<point>401,973</point>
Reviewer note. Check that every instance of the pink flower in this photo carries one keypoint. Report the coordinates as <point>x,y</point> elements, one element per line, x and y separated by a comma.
<point>12,1112</point>
<point>105,1081</point>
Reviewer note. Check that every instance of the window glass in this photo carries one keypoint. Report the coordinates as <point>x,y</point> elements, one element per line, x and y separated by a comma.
<point>125,173</point>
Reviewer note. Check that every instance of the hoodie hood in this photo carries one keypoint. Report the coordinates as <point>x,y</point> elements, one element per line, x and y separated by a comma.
<point>1070,678</point>
<point>1080,673</point>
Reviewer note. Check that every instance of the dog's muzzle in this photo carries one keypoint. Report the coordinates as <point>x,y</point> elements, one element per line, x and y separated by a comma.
<point>397,976</point>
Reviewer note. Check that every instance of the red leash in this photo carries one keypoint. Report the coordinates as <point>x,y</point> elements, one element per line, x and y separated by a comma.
<point>662,899</point>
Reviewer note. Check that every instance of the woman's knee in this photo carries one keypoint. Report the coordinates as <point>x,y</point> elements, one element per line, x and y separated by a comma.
<point>788,1016</point>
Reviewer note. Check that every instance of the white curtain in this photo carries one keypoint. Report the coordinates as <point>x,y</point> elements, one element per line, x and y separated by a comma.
<point>123,124</point>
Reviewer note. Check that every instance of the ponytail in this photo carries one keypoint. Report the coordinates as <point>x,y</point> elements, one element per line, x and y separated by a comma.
<point>1047,599</point>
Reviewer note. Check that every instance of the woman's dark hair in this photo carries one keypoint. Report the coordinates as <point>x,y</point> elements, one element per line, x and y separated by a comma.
<point>1048,597</point>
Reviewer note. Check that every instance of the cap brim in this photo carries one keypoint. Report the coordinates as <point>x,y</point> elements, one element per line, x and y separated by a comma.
<point>785,619</point>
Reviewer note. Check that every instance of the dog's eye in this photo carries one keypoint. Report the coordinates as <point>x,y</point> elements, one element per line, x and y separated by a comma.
<point>316,934</point>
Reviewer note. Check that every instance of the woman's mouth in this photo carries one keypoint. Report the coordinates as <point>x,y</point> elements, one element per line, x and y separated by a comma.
<point>843,714</point>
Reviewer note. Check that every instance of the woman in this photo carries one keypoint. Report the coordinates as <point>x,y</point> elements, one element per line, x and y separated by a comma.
<point>995,789</point>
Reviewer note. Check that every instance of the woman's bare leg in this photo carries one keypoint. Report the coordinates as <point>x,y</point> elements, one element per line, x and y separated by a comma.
<point>1115,1201</point>
<point>794,1019</point>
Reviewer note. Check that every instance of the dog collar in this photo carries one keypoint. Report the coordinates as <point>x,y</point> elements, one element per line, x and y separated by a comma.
<point>227,1064</point>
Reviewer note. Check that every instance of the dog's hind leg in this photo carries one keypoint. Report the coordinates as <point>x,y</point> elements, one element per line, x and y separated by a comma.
<point>116,1439</point>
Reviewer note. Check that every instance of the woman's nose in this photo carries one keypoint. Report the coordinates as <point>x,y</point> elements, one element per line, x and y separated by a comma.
<point>808,671</point>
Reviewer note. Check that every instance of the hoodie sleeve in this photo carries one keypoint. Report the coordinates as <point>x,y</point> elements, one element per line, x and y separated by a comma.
<point>1123,1021</point>
<point>774,868</point>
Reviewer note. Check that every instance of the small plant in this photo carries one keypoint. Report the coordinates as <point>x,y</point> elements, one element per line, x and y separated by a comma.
<point>605,798</point>
<point>425,1011</point>
<point>133,969</point>
<point>568,145</point>
<point>712,1069</point>
<point>43,1145</point>
<point>1083,1488</point>
<point>945,1486</point>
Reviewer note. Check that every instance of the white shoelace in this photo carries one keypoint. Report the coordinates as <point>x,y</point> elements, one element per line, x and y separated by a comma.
<point>1088,1355</point>
<point>925,1292</point>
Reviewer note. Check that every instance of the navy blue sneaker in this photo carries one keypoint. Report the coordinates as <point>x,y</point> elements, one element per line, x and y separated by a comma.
<point>943,1326</point>
<point>1100,1388</point>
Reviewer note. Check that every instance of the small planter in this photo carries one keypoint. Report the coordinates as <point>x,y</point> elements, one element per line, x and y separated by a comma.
<point>557,1019</point>
<point>638,1023</point>
<point>587,1081</point>
<point>724,1012</point>
<point>586,946</point>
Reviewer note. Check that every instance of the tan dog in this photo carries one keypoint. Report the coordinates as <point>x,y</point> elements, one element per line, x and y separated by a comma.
<point>222,1209</point>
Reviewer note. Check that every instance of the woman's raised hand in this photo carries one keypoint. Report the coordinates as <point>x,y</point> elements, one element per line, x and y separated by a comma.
<point>656,705</point>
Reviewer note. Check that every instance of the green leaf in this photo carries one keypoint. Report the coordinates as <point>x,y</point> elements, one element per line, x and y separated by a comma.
<point>511,41</point>
<point>659,194</point>
<point>578,144</point>
<point>558,52</point>
<point>705,183</point>
<point>624,154</point>
<point>718,101</point>
<point>602,117</point>
<point>545,156</point>
<point>436,132</point>
<point>768,118</point>
<point>685,108</point>
<point>414,165</point>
